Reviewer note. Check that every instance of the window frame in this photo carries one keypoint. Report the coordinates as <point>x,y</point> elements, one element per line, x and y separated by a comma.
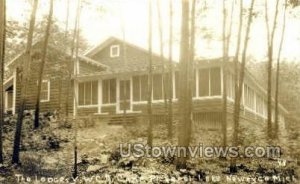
<point>91,95</point>
<point>143,88</point>
<point>218,80</point>
<point>48,90</point>
<point>157,91</point>
<point>112,55</point>
<point>197,83</point>
<point>109,95</point>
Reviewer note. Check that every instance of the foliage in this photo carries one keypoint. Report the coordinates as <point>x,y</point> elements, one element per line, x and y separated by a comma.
<point>17,34</point>
<point>289,83</point>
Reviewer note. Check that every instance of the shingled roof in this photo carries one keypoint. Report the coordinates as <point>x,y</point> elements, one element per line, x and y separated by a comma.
<point>134,58</point>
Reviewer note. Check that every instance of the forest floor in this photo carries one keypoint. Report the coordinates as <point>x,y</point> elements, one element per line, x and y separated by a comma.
<point>47,156</point>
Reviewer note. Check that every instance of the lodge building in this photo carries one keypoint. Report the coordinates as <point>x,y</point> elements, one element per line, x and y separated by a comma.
<point>106,84</point>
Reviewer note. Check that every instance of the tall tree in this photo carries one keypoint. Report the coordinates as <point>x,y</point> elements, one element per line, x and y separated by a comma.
<point>71,66</point>
<point>239,86</point>
<point>2,56</point>
<point>270,45</point>
<point>171,70</point>
<point>278,71</point>
<point>191,59</point>
<point>76,51</point>
<point>124,60</point>
<point>236,115</point>
<point>60,102</point>
<point>150,78</point>
<point>161,48</point>
<point>226,42</point>
<point>184,96</point>
<point>25,80</point>
<point>224,113</point>
<point>43,61</point>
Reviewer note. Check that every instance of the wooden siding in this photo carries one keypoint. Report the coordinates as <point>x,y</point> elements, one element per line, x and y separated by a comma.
<point>54,73</point>
<point>87,111</point>
<point>136,58</point>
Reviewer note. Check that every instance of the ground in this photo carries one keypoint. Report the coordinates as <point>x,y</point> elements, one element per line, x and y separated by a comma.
<point>47,156</point>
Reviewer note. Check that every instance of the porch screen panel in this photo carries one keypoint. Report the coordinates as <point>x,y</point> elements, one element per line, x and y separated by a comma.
<point>246,95</point>
<point>249,100</point>
<point>112,90</point>
<point>88,93</point>
<point>230,86</point>
<point>166,85</point>
<point>95,92</point>
<point>81,93</point>
<point>176,84</point>
<point>144,87</point>
<point>109,91</point>
<point>136,88</point>
<point>157,87</point>
<point>105,91</point>
<point>194,84</point>
<point>215,81</point>
<point>204,82</point>
<point>259,105</point>
<point>251,96</point>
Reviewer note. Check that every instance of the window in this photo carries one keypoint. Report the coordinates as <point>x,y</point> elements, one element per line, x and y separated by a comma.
<point>249,97</point>
<point>88,93</point>
<point>45,91</point>
<point>114,51</point>
<point>124,94</point>
<point>265,108</point>
<point>140,88</point>
<point>230,86</point>
<point>9,99</point>
<point>194,84</point>
<point>215,81</point>
<point>203,82</point>
<point>109,91</point>
<point>157,87</point>
<point>177,91</point>
<point>136,85</point>
<point>259,105</point>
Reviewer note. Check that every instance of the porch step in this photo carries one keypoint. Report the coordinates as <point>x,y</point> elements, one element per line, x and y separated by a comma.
<point>121,119</point>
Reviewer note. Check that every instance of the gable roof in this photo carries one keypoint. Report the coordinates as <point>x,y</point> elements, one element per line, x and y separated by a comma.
<point>136,58</point>
<point>15,61</point>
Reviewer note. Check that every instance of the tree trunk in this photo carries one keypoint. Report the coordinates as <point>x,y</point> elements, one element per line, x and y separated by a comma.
<point>240,86</point>
<point>191,73</point>
<point>60,102</point>
<point>43,61</point>
<point>70,65</point>
<point>2,57</point>
<point>76,40</point>
<point>224,112</point>
<point>270,63</point>
<point>124,58</point>
<point>171,70</point>
<point>184,97</point>
<point>25,80</point>
<point>150,80</point>
<point>237,103</point>
<point>160,30</point>
<point>277,73</point>
<point>226,43</point>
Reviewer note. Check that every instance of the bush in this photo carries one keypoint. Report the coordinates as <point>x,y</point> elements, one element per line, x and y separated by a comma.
<point>32,165</point>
